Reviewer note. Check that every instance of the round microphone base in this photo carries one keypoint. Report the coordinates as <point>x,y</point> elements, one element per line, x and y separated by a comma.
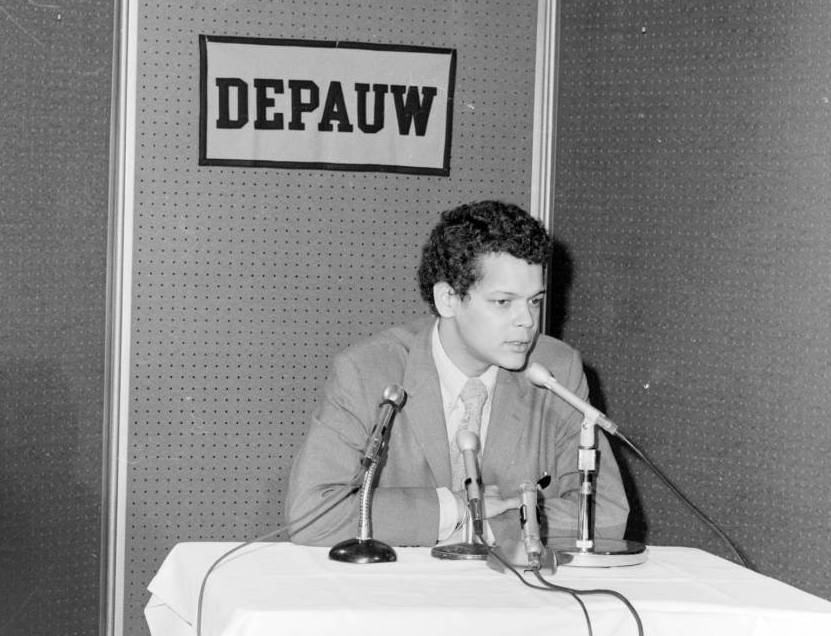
<point>459,551</point>
<point>362,551</point>
<point>606,553</point>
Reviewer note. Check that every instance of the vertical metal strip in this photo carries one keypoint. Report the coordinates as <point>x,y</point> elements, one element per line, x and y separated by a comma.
<point>545,117</point>
<point>119,291</point>
<point>545,110</point>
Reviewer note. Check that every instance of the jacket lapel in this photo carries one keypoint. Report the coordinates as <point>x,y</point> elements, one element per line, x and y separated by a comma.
<point>424,409</point>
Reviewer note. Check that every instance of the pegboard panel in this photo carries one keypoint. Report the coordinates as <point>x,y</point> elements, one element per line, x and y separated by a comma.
<point>693,194</point>
<point>247,281</point>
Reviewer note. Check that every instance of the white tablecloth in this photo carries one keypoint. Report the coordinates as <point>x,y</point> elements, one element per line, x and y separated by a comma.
<point>280,589</point>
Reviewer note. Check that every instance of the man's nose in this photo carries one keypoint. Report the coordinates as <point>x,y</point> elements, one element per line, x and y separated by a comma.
<point>524,316</point>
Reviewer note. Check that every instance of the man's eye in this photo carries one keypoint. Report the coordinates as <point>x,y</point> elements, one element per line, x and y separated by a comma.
<point>502,302</point>
<point>536,302</point>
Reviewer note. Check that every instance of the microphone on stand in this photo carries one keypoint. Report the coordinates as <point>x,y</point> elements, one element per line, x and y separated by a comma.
<point>585,550</point>
<point>528,553</point>
<point>468,443</point>
<point>393,400</point>
<point>530,524</point>
<point>540,376</point>
<point>365,549</point>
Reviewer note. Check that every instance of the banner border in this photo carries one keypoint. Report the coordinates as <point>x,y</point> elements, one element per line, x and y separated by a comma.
<point>204,160</point>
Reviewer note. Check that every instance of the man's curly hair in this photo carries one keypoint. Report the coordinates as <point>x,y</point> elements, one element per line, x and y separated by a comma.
<point>463,234</point>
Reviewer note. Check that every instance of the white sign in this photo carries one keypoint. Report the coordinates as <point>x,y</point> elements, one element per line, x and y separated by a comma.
<point>332,105</point>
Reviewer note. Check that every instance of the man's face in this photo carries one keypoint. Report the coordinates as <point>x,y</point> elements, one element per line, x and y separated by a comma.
<point>497,322</point>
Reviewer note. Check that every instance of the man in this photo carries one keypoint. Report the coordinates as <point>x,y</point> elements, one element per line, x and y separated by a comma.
<point>482,274</point>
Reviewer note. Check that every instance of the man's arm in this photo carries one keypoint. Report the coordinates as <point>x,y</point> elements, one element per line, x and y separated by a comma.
<point>324,486</point>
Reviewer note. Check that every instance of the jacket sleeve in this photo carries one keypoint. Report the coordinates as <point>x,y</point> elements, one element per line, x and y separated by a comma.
<point>324,486</point>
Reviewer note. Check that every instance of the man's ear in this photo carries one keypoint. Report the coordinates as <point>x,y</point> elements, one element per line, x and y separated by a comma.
<point>445,298</point>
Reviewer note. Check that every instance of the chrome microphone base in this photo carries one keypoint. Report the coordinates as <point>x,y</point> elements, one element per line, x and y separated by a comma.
<point>362,551</point>
<point>605,553</point>
<point>461,551</point>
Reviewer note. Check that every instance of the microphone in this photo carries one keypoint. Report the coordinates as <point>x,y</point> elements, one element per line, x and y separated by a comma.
<point>363,548</point>
<point>540,376</point>
<point>393,400</point>
<point>585,550</point>
<point>468,443</point>
<point>529,523</point>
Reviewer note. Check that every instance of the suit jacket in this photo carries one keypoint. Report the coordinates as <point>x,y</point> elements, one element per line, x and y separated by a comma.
<point>531,432</point>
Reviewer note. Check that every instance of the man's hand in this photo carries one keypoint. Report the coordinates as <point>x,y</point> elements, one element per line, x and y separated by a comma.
<point>493,505</point>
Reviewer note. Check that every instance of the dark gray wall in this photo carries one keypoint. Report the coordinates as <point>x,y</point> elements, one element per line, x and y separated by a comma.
<point>693,193</point>
<point>55,80</point>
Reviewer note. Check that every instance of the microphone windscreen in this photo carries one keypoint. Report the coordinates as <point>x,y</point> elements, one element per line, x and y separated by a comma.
<point>467,440</point>
<point>537,374</point>
<point>395,395</point>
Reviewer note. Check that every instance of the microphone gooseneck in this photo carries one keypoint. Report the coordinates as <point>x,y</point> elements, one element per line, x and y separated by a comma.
<point>363,548</point>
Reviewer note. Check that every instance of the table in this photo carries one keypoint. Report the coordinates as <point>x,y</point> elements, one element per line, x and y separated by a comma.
<point>277,589</point>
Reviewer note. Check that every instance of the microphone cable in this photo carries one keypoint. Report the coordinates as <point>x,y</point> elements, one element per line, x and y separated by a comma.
<point>494,552</point>
<point>709,522</point>
<point>353,487</point>
<point>547,586</point>
<point>313,515</point>
<point>614,593</point>
<point>396,399</point>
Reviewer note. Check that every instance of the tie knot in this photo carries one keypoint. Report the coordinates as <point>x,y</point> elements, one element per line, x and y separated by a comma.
<point>473,396</point>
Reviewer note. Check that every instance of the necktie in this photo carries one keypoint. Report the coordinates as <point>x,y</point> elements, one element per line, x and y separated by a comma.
<point>473,397</point>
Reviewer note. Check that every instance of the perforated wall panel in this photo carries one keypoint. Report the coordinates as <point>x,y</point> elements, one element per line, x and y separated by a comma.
<point>693,193</point>
<point>247,281</point>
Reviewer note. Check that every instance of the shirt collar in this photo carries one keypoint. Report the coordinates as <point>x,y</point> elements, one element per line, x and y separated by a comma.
<point>451,378</point>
